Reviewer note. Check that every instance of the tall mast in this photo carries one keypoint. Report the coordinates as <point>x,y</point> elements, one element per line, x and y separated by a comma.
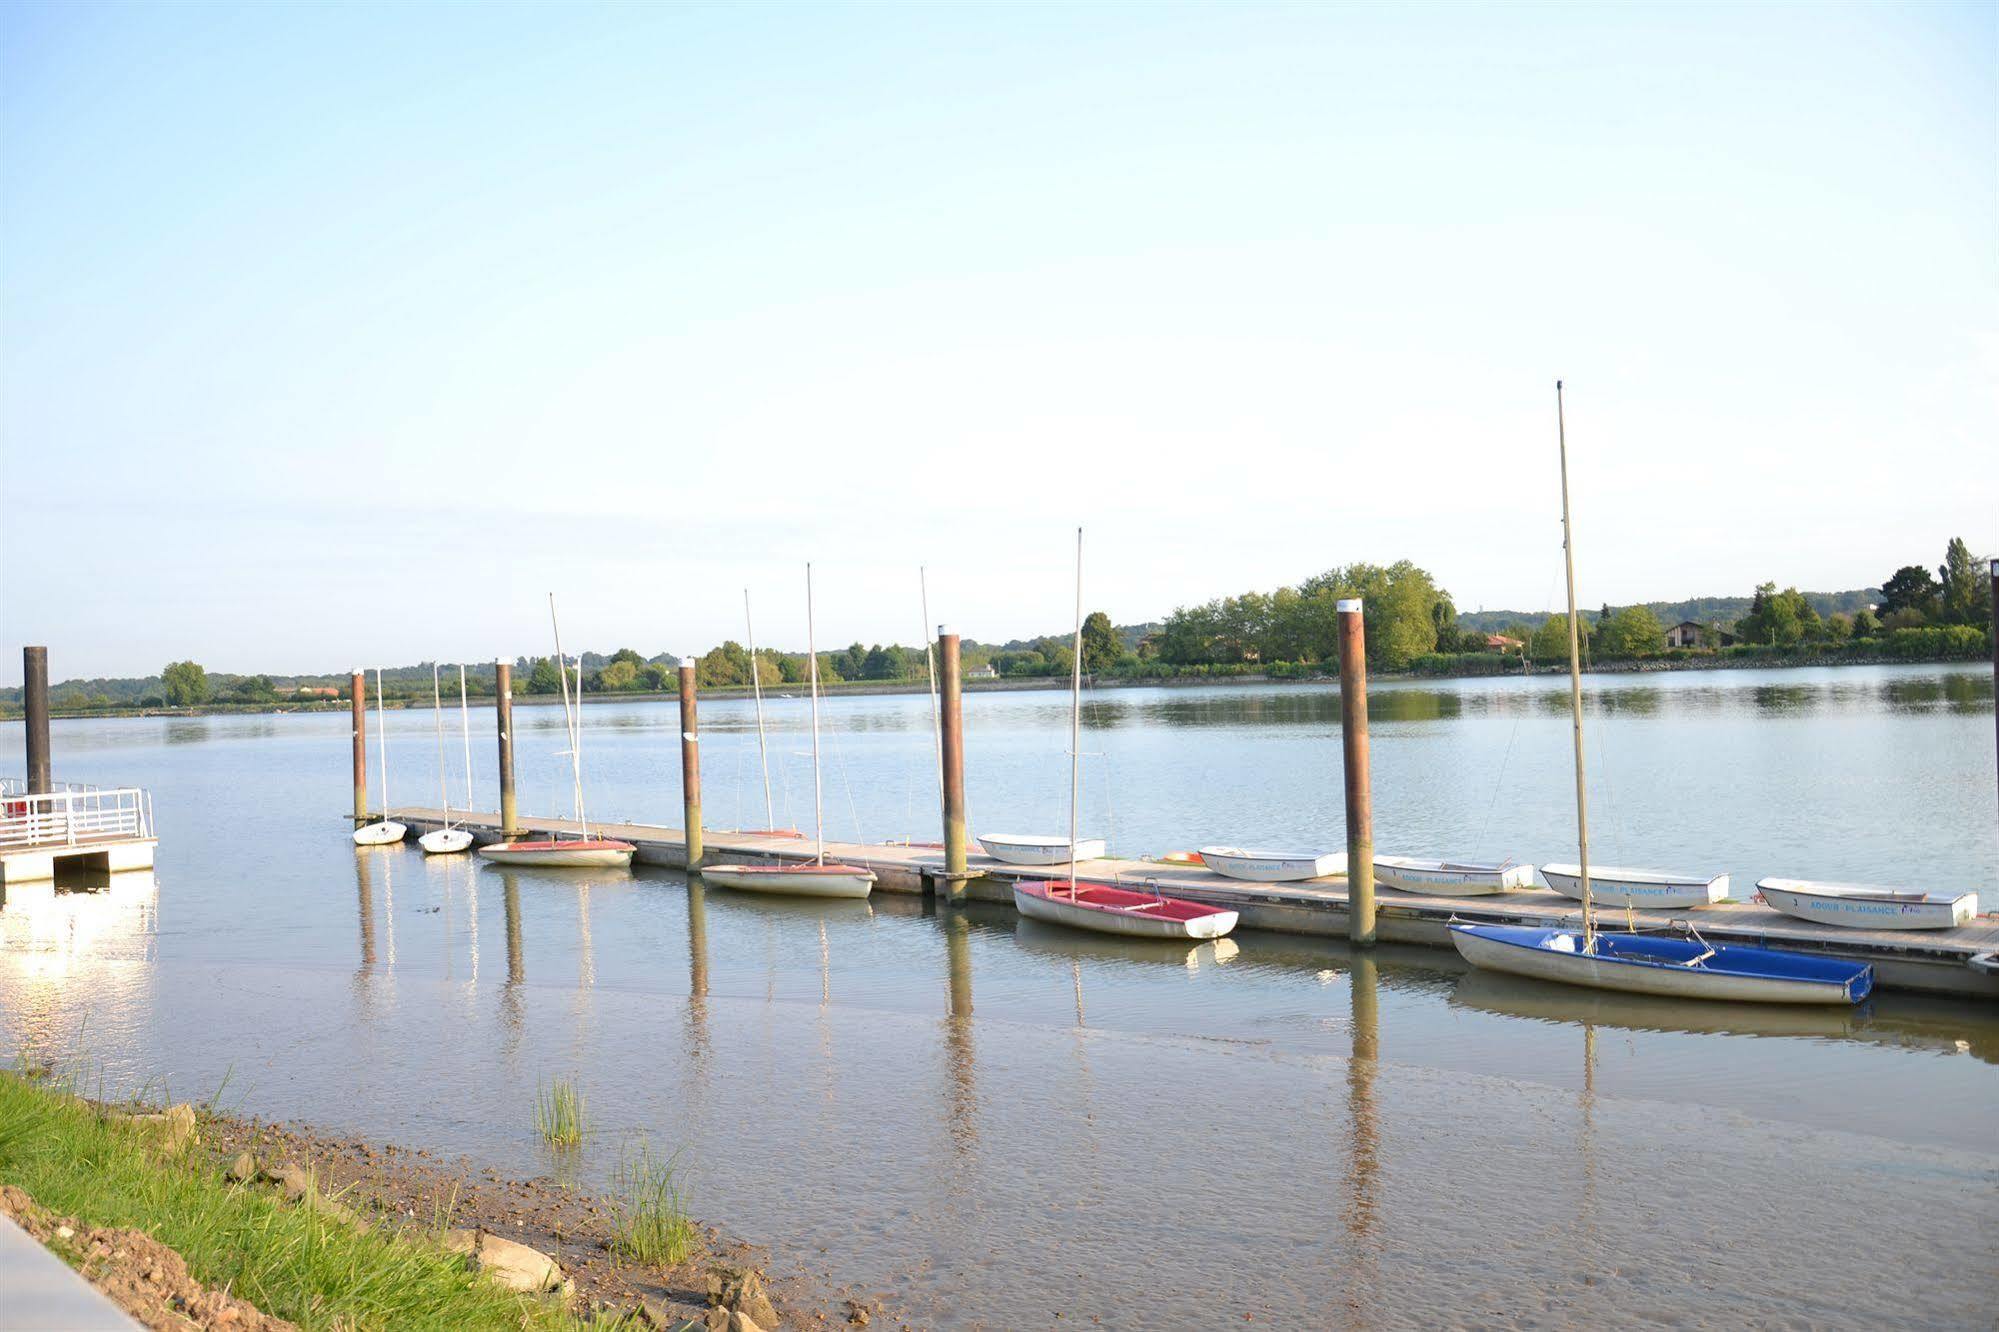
<point>1575,678</point>
<point>382,742</point>
<point>812,675</point>
<point>1076,716</point>
<point>465,732</point>
<point>571,722</point>
<point>757,691</point>
<point>437,724</point>
<point>930,672</point>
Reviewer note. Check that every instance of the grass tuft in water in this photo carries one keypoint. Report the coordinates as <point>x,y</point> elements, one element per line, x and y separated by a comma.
<point>558,1113</point>
<point>649,1220</point>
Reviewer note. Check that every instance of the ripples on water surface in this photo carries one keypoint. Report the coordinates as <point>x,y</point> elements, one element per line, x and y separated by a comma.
<point>994,1122</point>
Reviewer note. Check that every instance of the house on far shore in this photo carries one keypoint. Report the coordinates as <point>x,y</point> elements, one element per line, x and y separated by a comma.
<point>983,671</point>
<point>312,691</point>
<point>1501,643</point>
<point>1687,634</point>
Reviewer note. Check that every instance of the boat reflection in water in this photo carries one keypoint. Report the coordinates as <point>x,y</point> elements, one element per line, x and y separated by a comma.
<point>1908,1021</point>
<point>1041,937</point>
<point>95,932</point>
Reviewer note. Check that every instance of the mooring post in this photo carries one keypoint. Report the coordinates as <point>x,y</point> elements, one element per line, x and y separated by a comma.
<point>358,693</point>
<point>951,734</point>
<point>503,704</point>
<point>1995,669</point>
<point>690,765</point>
<point>1360,795</point>
<point>35,695</point>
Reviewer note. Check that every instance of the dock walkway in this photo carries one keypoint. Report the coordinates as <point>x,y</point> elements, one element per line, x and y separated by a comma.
<point>1935,961</point>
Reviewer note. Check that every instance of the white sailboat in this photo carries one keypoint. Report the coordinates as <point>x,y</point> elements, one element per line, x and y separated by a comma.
<point>1614,885</point>
<point>384,831</point>
<point>1867,907</point>
<point>818,878</point>
<point>1645,963</point>
<point>1101,907</point>
<point>1273,866</point>
<point>447,840</point>
<point>580,850</point>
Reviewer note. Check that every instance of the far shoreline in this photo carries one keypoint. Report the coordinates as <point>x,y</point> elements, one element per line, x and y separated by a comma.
<point>872,688</point>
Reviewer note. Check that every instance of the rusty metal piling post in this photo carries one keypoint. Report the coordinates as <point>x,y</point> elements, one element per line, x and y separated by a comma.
<point>35,697</point>
<point>358,691</point>
<point>1360,795</point>
<point>503,705</point>
<point>951,735</point>
<point>1995,665</point>
<point>690,765</point>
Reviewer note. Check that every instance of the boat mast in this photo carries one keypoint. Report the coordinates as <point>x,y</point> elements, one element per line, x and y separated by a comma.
<point>757,690</point>
<point>812,678</point>
<point>437,724</point>
<point>571,723</point>
<point>1076,716</point>
<point>930,672</point>
<point>465,733</point>
<point>1575,679</point>
<point>382,743</point>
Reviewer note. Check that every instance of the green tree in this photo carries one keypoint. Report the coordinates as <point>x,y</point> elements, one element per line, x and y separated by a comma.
<point>1865,625</point>
<point>728,664</point>
<point>1632,632</point>
<point>1101,645</point>
<point>885,663</point>
<point>1551,641</point>
<point>544,678</point>
<point>186,684</point>
<point>618,677</point>
<point>1839,627</point>
<point>1963,597</point>
<point>629,656</point>
<point>1909,588</point>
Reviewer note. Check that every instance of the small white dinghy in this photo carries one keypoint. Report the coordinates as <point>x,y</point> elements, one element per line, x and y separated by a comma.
<point>1863,906</point>
<point>810,880</point>
<point>384,831</point>
<point>448,840</point>
<point>1028,849</point>
<point>1272,866</point>
<point>562,853</point>
<point>1451,878</point>
<point>815,878</point>
<point>1613,886</point>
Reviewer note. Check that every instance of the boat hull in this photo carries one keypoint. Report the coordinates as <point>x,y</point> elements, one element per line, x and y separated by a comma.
<point>1015,850</point>
<point>1445,879</point>
<point>445,841</point>
<point>380,833</point>
<point>1272,866</point>
<point>1869,912</point>
<point>1106,910</point>
<point>1636,888</point>
<point>603,854</point>
<point>1679,968</point>
<point>827,881</point>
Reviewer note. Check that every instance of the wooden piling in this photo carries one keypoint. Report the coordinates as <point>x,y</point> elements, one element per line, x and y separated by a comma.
<point>1995,668</point>
<point>690,765</point>
<point>35,698</point>
<point>951,735</point>
<point>503,706</point>
<point>358,689</point>
<point>1360,794</point>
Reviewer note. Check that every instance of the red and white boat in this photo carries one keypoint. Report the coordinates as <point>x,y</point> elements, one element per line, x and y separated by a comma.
<point>810,880</point>
<point>1108,910</point>
<point>562,852</point>
<point>815,878</point>
<point>581,851</point>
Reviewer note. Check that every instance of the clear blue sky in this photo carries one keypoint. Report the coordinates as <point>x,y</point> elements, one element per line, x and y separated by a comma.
<point>342,335</point>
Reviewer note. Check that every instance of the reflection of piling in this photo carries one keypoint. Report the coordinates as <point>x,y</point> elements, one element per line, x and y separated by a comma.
<point>517,963</point>
<point>358,689</point>
<point>951,734</point>
<point>1360,795</point>
<point>958,1031</point>
<point>690,765</point>
<point>35,698</point>
<point>1363,1119</point>
<point>510,822</point>
<point>697,939</point>
<point>364,888</point>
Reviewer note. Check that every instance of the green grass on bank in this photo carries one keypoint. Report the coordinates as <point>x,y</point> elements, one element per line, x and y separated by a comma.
<point>289,1261</point>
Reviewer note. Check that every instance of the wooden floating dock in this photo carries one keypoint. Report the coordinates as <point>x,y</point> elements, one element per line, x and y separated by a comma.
<point>1932,961</point>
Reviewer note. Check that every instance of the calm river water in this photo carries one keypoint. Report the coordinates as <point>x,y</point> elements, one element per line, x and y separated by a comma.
<point>997,1125</point>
